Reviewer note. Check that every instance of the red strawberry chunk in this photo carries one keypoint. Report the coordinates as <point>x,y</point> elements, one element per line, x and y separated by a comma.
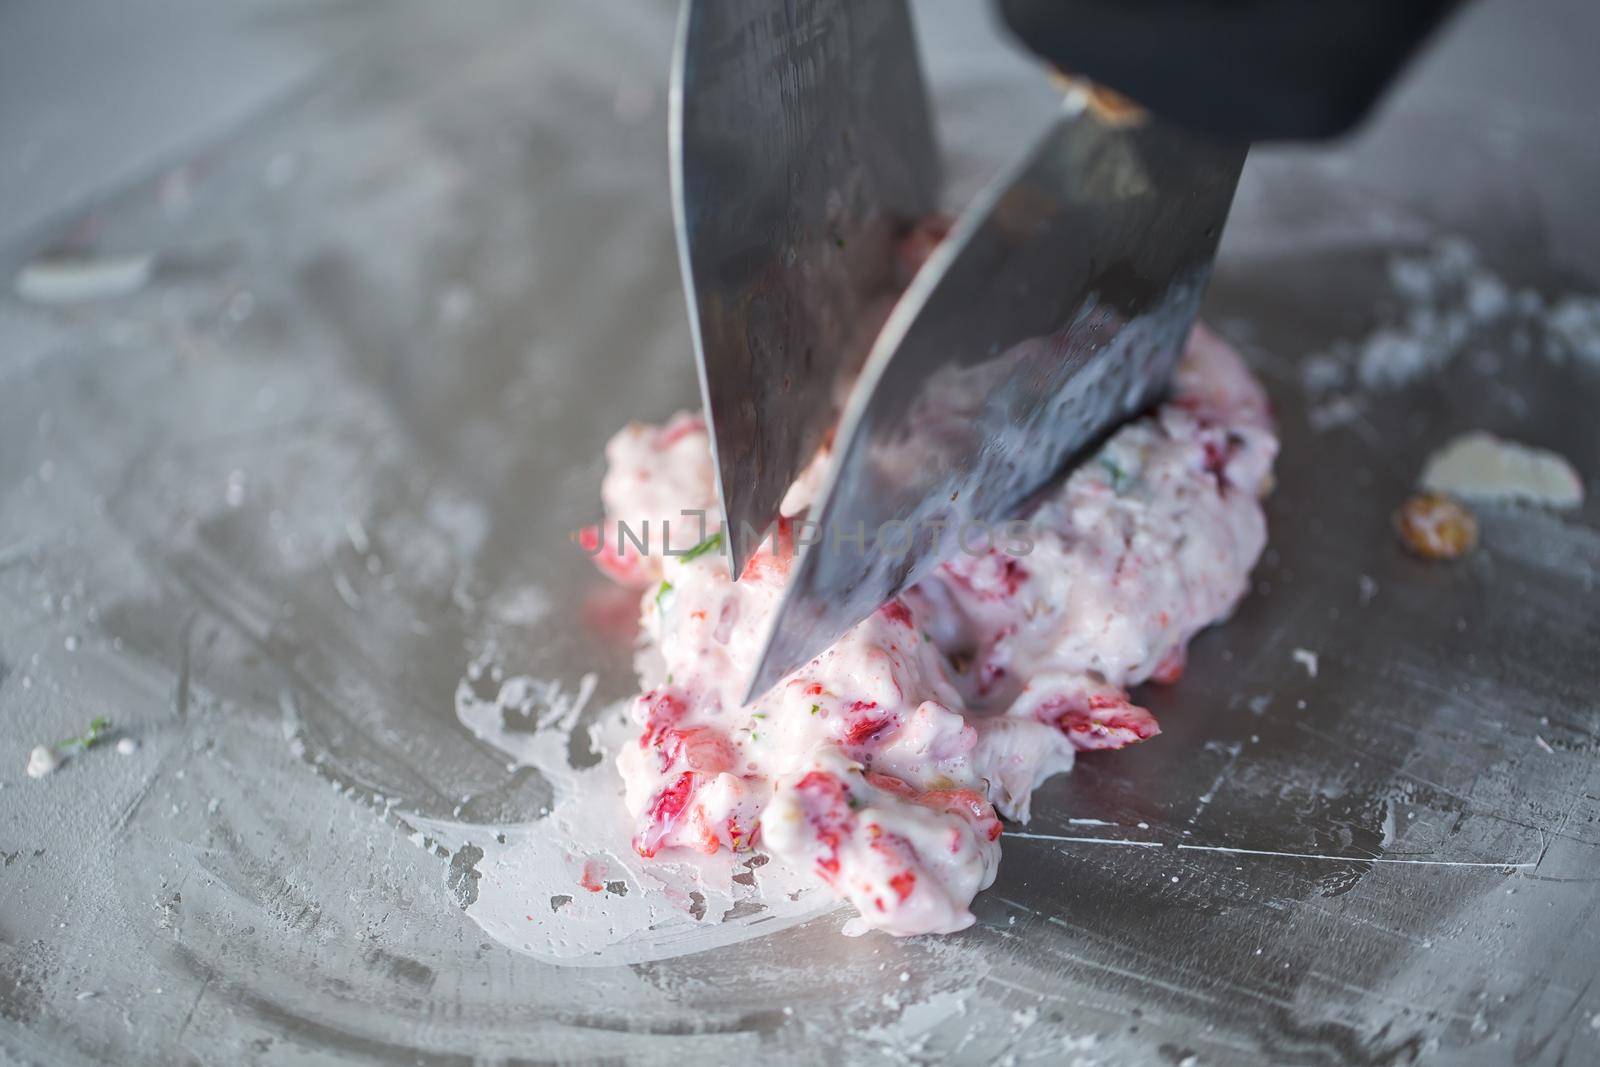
<point>866,728</point>
<point>663,815</point>
<point>1104,721</point>
<point>968,803</point>
<point>679,428</point>
<point>701,748</point>
<point>897,611</point>
<point>593,875</point>
<point>622,563</point>
<point>661,710</point>
<point>774,555</point>
<point>1170,669</point>
<point>826,804</point>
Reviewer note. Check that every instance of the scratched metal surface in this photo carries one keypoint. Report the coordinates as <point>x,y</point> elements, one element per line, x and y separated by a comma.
<point>265,510</point>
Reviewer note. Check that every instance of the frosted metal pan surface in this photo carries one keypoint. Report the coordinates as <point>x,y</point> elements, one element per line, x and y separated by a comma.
<point>268,506</point>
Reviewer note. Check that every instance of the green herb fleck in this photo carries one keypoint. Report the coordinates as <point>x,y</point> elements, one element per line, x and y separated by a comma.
<point>710,544</point>
<point>664,592</point>
<point>815,708</point>
<point>854,801</point>
<point>754,736</point>
<point>98,727</point>
<point>758,715</point>
<point>1121,480</point>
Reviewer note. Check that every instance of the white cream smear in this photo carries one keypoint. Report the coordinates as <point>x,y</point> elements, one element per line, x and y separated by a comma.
<point>1481,467</point>
<point>569,888</point>
<point>882,767</point>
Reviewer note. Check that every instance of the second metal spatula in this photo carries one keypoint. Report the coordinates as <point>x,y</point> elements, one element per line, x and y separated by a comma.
<point>1056,308</point>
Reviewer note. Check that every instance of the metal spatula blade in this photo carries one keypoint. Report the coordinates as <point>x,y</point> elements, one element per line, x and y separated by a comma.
<point>801,147</point>
<point>1055,309</point>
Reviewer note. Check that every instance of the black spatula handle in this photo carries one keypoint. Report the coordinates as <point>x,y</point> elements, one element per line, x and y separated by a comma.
<point>1252,70</point>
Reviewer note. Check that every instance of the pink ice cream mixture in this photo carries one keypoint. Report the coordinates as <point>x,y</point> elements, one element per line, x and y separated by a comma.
<point>885,765</point>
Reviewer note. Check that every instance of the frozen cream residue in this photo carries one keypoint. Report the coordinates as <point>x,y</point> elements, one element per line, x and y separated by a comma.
<point>568,887</point>
<point>1450,306</point>
<point>1481,467</point>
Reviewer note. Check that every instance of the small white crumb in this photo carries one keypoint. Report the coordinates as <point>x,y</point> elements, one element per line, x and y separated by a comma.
<point>1594,1021</point>
<point>1367,589</point>
<point>127,746</point>
<point>1144,826</point>
<point>88,994</point>
<point>213,805</point>
<point>1542,743</point>
<point>1174,878</point>
<point>41,761</point>
<point>905,976</point>
<point>1307,659</point>
<point>73,279</point>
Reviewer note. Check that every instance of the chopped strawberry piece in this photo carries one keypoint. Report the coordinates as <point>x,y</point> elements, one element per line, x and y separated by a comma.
<point>593,875</point>
<point>701,748</point>
<point>826,804</point>
<point>1012,574</point>
<point>738,839</point>
<point>903,883</point>
<point>989,674</point>
<point>1170,669</point>
<point>865,729</point>
<point>661,710</point>
<point>968,803</point>
<point>774,555</point>
<point>679,428</point>
<point>1103,721</point>
<point>621,562</point>
<point>890,784</point>
<point>897,611</point>
<point>710,843</point>
<point>663,815</point>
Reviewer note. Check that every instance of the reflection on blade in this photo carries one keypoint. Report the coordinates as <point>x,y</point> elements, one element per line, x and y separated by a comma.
<point>801,147</point>
<point>1056,309</point>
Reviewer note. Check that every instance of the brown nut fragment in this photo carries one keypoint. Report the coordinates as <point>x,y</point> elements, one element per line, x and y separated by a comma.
<point>1433,526</point>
